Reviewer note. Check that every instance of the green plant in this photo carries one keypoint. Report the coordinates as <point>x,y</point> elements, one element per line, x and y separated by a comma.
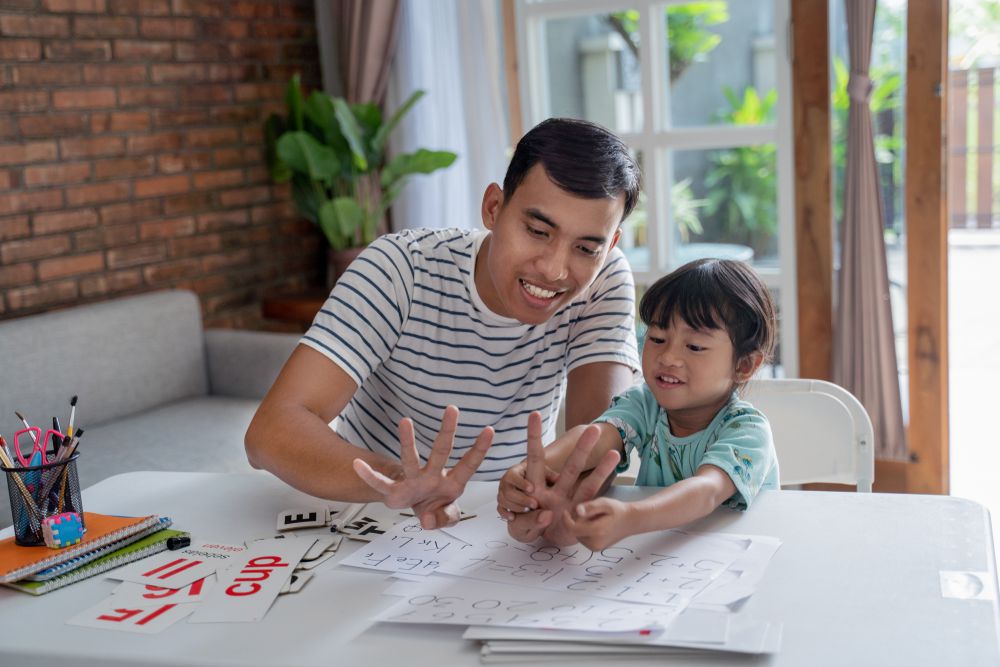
<point>741,181</point>
<point>334,155</point>
<point>683,206</point>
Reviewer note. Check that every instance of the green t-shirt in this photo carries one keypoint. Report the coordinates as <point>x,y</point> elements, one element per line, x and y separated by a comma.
<point>738,440</point>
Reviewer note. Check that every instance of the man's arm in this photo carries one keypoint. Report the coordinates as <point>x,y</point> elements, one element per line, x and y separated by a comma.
<point>590,388</point>
<point>290,436</point>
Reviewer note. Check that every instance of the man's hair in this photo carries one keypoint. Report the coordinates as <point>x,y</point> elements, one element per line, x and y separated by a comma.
<point>715,294</point>
<point>580,157</point>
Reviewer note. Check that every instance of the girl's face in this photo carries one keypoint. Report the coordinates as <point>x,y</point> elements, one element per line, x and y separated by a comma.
<point>691,372</point>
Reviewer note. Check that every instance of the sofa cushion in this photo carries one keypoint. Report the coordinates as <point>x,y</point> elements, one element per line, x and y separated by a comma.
<point>120,357</point>
<point>190,435</point>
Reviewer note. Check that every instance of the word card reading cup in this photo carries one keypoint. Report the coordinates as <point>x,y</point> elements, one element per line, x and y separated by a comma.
<point>177,569</point>
<point>111,614</point>
<point>248,588</point>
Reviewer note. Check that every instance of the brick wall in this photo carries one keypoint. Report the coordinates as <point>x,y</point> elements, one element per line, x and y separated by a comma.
<point>131,152</point>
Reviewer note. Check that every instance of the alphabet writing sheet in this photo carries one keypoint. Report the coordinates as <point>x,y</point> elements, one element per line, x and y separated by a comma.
<point>407,548</point>
<point>452,601</point>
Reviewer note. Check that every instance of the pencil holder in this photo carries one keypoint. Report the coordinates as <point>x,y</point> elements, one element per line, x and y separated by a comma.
<point>37,492</point>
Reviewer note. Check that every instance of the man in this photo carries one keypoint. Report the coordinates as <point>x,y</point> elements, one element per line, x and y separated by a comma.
<point>498,323</point>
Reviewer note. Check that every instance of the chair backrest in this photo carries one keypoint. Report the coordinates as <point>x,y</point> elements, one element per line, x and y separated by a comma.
<point>821,431</point>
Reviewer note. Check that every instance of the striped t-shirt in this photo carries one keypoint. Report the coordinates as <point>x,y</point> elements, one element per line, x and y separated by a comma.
<point>406,323</point>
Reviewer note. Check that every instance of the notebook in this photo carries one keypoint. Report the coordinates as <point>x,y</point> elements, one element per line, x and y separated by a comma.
<point>73,563</point>
<point>17,562</point>
<point>147,546</point>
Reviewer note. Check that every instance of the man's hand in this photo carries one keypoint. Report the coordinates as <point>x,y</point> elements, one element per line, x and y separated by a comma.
<point>514,494</point>
<point>599,523</point>
<point>553,500</point>
<point>430,491</point>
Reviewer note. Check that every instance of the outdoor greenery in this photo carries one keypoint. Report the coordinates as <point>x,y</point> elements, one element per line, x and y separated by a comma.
<point>334,153</point>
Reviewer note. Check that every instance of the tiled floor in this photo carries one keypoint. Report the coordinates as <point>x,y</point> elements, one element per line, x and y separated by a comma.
<point>974,350</point>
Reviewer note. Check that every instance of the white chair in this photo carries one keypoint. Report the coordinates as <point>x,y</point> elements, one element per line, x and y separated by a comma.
<point>822,433</point>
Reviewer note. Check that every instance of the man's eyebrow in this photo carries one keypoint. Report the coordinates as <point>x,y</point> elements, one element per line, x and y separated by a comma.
<point>541,217</point>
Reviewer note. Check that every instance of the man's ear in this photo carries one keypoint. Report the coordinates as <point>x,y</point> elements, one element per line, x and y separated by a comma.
<point>748,365</point>
<point>492,203</point>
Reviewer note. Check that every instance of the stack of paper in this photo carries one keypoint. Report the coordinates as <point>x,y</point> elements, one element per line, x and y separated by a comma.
<point>654,593</point>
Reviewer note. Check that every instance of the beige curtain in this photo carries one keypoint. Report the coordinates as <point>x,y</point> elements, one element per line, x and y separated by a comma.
<point>366,39</point>
<point>864,344</point>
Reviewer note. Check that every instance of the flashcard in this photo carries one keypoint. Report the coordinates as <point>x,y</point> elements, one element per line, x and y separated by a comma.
<point>314,517</point>
<point>180,568</point>
<point>364,529</point>
<point>247,589</point>
<point>296,582</point>
<point>315,562</point>
<point>131,593</point>
<point>111,614</point>
<point>324,544</point>
<point>341,513</point>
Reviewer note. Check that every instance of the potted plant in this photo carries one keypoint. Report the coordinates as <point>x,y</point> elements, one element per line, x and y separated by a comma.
<point>334,155</point>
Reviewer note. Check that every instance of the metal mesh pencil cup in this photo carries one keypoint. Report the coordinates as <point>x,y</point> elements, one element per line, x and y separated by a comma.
<point>37,492</point>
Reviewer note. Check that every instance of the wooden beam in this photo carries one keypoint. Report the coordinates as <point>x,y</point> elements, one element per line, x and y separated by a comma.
<point>511,72</point>
<point>927,244</point>
<point>813,190</point>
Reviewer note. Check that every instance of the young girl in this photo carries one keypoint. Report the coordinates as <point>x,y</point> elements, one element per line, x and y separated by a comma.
<point>710,326</point>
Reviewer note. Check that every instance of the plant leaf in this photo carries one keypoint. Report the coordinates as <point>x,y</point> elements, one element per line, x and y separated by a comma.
<point>351,130</point>
<point>349,216</point>
<point>331,227</point>
<point>301,152</point>
<point>422,161</point>
<point>378,141</point>
<point>274,127</point>
<point>293,97</point>
<point>308,197</point>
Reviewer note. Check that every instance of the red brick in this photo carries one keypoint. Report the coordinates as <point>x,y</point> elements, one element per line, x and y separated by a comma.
<point>206,51</point>
<point>177,73</point>
<point>252,92</point>
<point>62,221</point>
<point>25,202</point>
<point>218,136</point>
<point>62,267</point>
<point>92,147</point>
<point>229,157</point>
<point>179,117</point>
<point>165,229</point>
<point>17,274</point>
<point>19,25</point>
<point>171,271</point>
<point>147,97</point>
<point>107,236</point>
<point>222,220</point>
<point>158,186</point>
<point>282,31</point>
<point>251,10</point>
<point>117,26</point>
<point>20,50</point>
<point>45,246</point>
<point>221,72</point>
<point>24,100</point>
<point>84,98</point>
<point>152,143</point>
<point>216,8</point>
<point>270,213</point>
<point>218,179</point>
<point>205,285</point>
<point>206,94</point>
<point>127,49</point>
<point>111,282</point>
<point>51,125</point>
<point>78,50</point>
<point>56,174</point>
<point>40,75</point>
<point>140,7</point>
<point>136,255</point>
<point>133,166</point>
<point>74,6</point>
<point>227,260</point>
<point>258,174</point>
<point>195,245</point>
<point>252,135</point>
<point>178,162</point>
<point>6,179</point>
<point>14,227</point>
<point>167,28</point>
<point>35,151</point>
<point>225,29</point>
<point>129,122</point>
<point>112,74</point>
<point>188,203</point>
<point>302,11</point>
<point>308,53</point>
<point>131,211</point>
<point>255,50</point>
<point>61,292</point>
<point>98,193</point>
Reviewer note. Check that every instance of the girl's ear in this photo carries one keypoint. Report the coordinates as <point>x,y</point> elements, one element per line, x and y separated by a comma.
<point>748,365</point>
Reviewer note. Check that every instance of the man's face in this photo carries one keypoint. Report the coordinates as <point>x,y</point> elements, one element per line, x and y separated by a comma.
<point>546,247</point>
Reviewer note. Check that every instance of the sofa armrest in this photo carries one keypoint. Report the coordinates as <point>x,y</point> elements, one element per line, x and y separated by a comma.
<point>244,364</point>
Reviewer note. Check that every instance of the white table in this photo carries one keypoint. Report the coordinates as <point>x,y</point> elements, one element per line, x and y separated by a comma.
<point>855,582</point>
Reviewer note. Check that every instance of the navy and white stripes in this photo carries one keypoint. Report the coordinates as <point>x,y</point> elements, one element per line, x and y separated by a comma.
<point>406,323</point>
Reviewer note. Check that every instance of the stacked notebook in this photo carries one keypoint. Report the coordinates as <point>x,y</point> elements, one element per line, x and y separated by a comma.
<point>110,541</point>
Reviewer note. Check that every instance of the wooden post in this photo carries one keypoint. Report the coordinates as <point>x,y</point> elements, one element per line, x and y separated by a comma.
<point>511,72</point>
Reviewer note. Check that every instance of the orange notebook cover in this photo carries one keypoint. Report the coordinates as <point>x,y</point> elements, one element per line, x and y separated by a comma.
<point>17,562</point>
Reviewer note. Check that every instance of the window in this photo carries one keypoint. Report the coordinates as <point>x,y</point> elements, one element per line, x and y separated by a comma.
<point>701,91</point>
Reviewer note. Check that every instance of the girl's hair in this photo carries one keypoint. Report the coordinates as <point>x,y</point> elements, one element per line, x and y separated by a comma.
<point>715,294</point>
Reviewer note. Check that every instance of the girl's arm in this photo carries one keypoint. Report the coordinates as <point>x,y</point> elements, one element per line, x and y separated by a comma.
<point>601,522</point>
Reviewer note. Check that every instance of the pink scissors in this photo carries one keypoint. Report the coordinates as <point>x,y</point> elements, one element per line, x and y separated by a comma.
<point>38,456</point>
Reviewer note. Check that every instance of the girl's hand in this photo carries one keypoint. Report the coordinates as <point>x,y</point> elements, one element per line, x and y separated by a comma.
<point>599,523</point>
<point>515,493</point>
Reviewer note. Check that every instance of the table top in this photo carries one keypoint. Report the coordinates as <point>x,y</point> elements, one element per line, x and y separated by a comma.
<point>856,581</point>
